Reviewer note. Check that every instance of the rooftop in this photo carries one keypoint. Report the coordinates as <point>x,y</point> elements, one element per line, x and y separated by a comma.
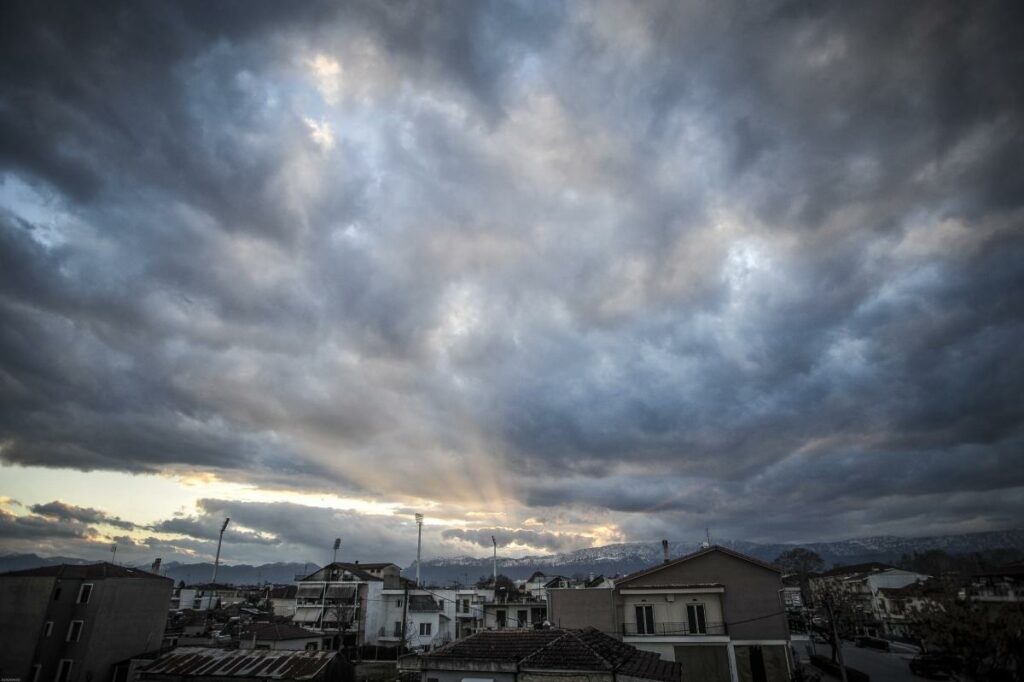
<point>688,557</point>
<point>276,632</point>
<point>97,571</point>
<point>199,662</point>
<point>555,649</point>
<point>869,567</point>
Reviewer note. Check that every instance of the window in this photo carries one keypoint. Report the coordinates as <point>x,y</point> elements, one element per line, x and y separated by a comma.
<point>75,631</point>
<point>56,594</point>
<point>645,620</point>
<point>398,602</point>
<point>398,628</point>
<point>521,616</point>
<point>85,593</point>
<point>48,628</point>
<point>424,629</point>
<point>465,606</point>
<point>501,618</point>
<point>311,646</point>
<point>697,625</point>
<point>63,671</point>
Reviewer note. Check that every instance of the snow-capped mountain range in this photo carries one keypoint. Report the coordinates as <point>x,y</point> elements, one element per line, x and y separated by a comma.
<point>624,558</point>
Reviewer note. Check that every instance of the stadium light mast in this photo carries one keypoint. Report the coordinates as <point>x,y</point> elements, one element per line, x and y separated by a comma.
<point>495,543</point>
<point>337,544</point>
<point>216,561</point>
<point>419,546</point>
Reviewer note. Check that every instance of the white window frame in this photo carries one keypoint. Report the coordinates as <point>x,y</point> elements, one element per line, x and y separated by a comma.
<point>425,629</point>
<point>60,669</point>
<point>71,627</point>
<point>88,595</point>
<point>696,620</point>
<point>645,626</point>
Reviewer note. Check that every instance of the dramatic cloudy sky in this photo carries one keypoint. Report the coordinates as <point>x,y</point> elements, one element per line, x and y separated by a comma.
<point>568,274</point>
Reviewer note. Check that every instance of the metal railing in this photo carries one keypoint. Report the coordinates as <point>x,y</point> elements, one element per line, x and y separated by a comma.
<point>672,629</point>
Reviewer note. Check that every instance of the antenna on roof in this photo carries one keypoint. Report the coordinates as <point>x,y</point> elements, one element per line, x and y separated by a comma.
<point>664,551</point>
<point>707,541</point>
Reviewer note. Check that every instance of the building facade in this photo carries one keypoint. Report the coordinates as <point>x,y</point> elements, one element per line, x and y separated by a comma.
<point>716,612</point>
<point>72,623</point>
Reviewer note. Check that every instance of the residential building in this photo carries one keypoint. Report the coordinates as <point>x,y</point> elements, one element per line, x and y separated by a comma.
<point>716,612</point>
<point>69,623</point>
<point>540,655</point>
<point>282,600</point>
<point>336,600</point>
<point>897,608</point>
<point>206,596</point>
<point>199,664</point>
<point>1000,586</point>
<point>469,611</point>
<point>281,637</point>
<point>429,614</point>
<point>511,612</point>
<point>859,586</point>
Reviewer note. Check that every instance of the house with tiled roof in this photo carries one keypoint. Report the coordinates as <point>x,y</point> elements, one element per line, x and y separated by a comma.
<point>716,612</point>
<point>542,654</point>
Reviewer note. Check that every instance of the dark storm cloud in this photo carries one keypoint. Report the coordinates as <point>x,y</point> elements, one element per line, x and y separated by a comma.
<point>70,512</point>
<point>660,265</point>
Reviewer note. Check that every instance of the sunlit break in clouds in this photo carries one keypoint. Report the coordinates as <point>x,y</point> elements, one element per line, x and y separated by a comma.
<point>567,274</point>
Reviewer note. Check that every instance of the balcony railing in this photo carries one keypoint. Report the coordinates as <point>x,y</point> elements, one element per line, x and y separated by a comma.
<point>672,630</point>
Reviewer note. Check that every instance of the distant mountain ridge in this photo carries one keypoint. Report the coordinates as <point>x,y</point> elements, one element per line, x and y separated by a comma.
<point>609,560</point>
<point>619,559</point>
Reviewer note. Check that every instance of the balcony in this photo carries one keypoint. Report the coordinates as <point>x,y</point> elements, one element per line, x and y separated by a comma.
<point>673,630</point>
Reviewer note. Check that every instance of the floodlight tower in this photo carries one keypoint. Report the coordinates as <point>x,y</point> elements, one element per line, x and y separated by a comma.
<point>495,543</point>
<point>419,546</point>
<point>337,544</point>
<point>216,561</point>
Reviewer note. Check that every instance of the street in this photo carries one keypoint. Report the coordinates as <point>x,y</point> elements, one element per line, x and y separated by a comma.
<point>882,666</point>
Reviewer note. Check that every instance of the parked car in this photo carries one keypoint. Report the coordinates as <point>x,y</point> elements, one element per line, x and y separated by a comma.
<point>872,642</point>
<point>937,666</point>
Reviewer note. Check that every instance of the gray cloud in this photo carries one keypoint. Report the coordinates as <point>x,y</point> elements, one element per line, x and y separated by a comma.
<point>69,512</point>
<point>553,542</point>
<point>652,266</point>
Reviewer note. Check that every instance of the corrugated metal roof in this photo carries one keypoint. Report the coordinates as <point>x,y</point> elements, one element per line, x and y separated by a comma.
<point>201,662</point>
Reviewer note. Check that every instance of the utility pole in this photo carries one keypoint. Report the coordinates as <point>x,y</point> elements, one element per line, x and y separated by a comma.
<point>216,561</point>
<point>113,553</point>
<point>419,546</point>
<point>835,637</point>
<point>405,614</point>
<point>495,585</point>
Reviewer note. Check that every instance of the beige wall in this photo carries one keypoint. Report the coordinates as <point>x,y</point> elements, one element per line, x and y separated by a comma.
<point>583,608</point>
<point>751,592</point>
<point>673,611</point>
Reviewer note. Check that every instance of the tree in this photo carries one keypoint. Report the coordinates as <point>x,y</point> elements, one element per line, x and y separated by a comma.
<point>504,583</point>
<point>984,637</point>
<point>799,560</point>
<point>844,611</point>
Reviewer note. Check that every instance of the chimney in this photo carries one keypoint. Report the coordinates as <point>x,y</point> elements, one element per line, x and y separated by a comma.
<point>155,568</point>
<point>664,550</point>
